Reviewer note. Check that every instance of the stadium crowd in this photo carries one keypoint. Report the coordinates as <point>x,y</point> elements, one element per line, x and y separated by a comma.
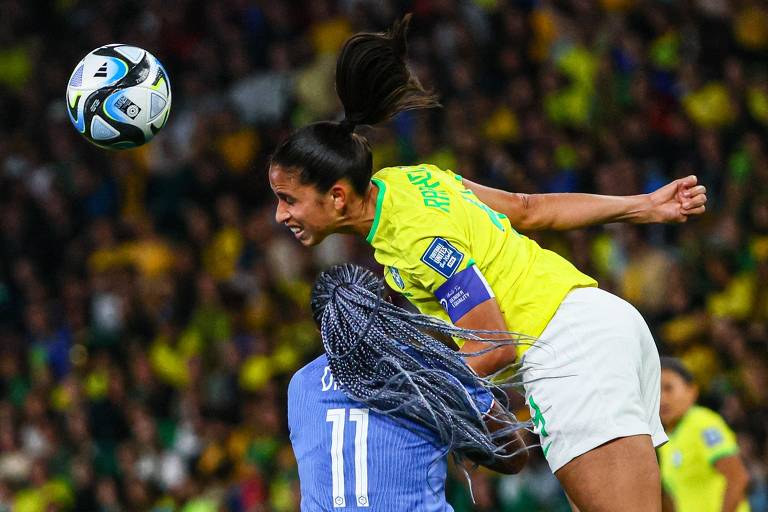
<point>152,312</point>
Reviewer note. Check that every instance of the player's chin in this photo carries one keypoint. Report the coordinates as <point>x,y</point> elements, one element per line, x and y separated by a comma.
<point>310,239</point>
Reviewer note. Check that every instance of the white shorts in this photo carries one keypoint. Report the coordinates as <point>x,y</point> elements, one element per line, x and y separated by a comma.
<point>593,376</point>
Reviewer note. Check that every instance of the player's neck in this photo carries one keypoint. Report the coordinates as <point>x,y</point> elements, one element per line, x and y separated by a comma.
<point>360,214</point>
<point>672,425</point>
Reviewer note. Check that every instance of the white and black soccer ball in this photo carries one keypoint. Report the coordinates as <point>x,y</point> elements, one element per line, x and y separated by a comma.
<point>119,96</point>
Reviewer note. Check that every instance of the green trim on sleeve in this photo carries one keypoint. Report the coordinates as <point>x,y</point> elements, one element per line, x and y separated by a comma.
<point>725,452</point>
<point>379,201</point>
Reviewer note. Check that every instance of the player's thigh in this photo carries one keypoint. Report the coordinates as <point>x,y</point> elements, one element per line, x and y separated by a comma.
<point>620,475</point>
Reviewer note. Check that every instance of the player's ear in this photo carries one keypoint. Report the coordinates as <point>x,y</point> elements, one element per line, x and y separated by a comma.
<point>340,193</point>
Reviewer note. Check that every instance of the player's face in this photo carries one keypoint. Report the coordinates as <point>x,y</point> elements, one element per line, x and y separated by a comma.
<point>309,214</point>
<point>677,396</point>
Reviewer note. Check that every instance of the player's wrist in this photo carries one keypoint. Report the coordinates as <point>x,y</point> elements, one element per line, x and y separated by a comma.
<point>641,210</point>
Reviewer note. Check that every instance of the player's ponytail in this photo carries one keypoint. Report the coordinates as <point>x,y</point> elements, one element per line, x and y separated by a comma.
<point>373,81</point>
<point>374,84</point>
<point>383,356</point>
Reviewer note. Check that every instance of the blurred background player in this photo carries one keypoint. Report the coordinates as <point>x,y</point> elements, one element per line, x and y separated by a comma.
<point>701,468</point>
<point>354,454</point>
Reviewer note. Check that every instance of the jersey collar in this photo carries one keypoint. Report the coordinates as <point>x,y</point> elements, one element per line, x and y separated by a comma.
<point>379,202</point>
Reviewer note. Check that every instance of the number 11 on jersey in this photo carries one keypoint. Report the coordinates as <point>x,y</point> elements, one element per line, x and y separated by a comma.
<point>337,417</point>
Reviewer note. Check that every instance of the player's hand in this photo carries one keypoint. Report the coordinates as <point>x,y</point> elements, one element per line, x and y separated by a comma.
<point>677,201</point>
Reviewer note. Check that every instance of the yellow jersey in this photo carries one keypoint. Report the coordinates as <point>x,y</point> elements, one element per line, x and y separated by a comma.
<point>687,461</point>
<point>428,227</point>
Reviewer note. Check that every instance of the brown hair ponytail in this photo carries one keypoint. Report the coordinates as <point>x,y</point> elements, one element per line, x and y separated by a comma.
<point>373,80</point>
<point>373,83</point>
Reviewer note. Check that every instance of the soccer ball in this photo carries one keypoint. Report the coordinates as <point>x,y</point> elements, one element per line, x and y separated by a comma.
<point>119,96</point>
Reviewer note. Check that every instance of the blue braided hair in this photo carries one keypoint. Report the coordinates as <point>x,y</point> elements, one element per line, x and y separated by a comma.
<point>386,357</point>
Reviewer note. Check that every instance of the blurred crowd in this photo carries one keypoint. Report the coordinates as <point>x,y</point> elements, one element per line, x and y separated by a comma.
<point>152,312</point>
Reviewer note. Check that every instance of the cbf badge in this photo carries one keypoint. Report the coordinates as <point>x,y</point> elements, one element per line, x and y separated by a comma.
<point>677,458</point>
<point>397,278</point>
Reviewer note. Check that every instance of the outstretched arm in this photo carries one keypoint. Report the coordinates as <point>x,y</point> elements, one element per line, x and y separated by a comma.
<point>674,202</point>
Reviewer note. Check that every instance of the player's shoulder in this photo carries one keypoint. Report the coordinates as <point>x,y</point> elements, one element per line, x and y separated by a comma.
<point>414,209</point>
<point>700,415</point>
<point>414,173</point>
<point>416,196</point>
<point>708,426</point>
<point>310,372</point>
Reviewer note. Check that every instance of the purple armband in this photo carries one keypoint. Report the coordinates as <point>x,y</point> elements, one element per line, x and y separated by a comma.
<point>462,292</point>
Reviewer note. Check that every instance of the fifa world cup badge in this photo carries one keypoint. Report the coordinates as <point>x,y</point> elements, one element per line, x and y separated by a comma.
<point>397,277</point>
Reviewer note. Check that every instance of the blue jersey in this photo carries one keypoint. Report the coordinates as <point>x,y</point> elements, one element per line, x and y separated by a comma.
<point>352,458</point>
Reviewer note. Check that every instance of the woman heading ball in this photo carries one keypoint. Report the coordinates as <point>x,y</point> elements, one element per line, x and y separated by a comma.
<point>451,247</point>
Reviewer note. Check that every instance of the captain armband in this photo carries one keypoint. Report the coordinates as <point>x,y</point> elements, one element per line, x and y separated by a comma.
<point>462,292</point>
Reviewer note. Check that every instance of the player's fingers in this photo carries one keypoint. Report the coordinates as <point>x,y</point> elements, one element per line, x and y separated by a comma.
<point>695,202</point>
<point>694,211</point>
<point>695,190</point>
<point>689,181</point>
<point>698,189</point>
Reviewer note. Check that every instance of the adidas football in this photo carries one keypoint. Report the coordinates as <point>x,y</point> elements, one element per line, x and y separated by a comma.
<point>119,96</point>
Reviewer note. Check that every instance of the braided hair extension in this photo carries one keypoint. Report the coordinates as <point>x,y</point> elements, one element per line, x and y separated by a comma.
<point>383,356</point>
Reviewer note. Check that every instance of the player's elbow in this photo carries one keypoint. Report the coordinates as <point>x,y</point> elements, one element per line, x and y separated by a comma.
<point>491,362</point>
<point>529,213</point>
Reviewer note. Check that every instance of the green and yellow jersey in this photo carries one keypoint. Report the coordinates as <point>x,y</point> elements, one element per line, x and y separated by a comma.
<point>428,227</point>
<point>687,461</point>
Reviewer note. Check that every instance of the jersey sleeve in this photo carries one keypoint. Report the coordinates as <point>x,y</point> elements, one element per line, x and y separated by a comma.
<point>481,396</point>
<point>439,259</point>
<point>483,399</point>
<point>443,268</point>
<point>716,439</point>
